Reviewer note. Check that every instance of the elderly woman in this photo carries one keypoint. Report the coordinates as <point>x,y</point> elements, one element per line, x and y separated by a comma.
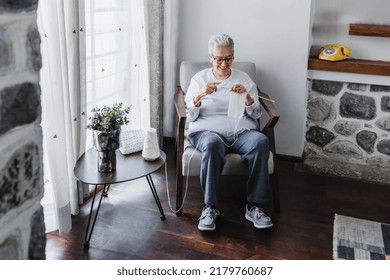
<point>223,117</point>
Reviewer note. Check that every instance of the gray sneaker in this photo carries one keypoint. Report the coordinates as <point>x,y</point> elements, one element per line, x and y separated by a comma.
<point>207,219</point>
<point>258,218</point>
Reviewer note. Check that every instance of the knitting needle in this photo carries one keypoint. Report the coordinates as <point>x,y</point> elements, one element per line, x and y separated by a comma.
<point>251,94</point>
<point>254,95</point>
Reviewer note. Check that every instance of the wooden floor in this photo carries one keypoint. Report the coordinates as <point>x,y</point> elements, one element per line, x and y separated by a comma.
<point>129,225</point>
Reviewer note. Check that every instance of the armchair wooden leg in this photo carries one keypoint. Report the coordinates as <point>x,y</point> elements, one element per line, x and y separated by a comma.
<point>275,192</point>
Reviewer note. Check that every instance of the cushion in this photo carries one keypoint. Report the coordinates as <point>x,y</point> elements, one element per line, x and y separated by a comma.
<point>233,166</point>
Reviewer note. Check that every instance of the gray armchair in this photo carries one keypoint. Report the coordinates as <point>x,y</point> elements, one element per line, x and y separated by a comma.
<point>234,165</point>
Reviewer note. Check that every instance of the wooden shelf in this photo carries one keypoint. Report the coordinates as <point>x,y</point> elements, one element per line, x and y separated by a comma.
<point>369,30</point>
<point>359,66</point>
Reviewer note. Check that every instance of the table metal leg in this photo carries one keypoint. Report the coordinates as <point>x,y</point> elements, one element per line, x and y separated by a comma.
<point>155,195</point>
<point>105,191</point>
<point>88,232</point>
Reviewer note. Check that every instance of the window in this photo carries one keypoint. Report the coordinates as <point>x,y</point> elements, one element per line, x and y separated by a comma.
<point>115,58</point>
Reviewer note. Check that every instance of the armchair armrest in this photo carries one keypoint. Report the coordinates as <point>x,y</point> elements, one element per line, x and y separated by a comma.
<point>179,104</point>
<point>181,117</point>
<point>273,117</point>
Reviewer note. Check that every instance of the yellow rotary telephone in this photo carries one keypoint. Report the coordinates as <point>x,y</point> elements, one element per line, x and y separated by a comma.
<point>334,52</point>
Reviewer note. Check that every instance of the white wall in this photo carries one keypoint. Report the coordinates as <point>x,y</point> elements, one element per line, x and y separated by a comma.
<point>273,34</point>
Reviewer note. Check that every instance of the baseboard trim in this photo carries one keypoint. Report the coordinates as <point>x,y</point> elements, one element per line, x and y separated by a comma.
<point>289,158</point>
<point>169,139</point>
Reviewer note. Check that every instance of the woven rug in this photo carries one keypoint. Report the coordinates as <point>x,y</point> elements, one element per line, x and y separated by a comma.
<point>357,239</point>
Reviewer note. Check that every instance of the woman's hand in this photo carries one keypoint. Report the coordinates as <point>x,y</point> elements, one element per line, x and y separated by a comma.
<point>209,88</point>
<point>239,88</point>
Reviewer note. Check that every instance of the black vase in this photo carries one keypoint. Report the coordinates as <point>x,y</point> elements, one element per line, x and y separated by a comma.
<point>106,143</point>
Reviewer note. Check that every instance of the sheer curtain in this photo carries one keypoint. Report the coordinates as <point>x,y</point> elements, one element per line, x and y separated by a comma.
<point>62,103</point>
<point>94,53</point>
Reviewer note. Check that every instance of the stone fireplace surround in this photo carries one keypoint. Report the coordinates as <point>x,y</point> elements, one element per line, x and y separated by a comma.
<point>348,129</point>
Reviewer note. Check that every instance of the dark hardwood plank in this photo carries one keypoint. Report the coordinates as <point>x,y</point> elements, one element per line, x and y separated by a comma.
<point>129,225</point>
<point>369,30</point>
<point>350,65</point>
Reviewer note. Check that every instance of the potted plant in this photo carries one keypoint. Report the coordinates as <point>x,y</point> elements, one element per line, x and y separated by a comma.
<point>105,124</point>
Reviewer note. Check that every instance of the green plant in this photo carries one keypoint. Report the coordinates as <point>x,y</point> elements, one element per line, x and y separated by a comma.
<point>109,118</point>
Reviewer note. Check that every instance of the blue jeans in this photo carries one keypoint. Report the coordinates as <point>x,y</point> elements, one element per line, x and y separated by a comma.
<point>253,147</point>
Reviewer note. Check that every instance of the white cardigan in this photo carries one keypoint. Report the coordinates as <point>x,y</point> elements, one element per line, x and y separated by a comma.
<point>212,115</point>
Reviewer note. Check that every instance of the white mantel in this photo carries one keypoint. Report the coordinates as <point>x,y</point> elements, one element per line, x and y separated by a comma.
<point>348,77</point>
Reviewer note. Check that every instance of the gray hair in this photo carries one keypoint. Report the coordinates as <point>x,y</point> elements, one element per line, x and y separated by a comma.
<point>220,40</point>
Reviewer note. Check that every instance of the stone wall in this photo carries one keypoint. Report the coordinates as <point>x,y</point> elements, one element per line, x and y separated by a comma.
<point>22,230</point>
<point>348,130</point>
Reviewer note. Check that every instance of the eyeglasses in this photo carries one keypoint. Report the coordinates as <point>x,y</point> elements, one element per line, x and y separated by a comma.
<point>220,60</point>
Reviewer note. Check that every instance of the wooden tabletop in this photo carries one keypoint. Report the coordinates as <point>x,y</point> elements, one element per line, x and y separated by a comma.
<point>128,167</point>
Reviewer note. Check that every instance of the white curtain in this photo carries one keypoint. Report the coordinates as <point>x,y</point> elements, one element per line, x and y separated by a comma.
<point>62,107</point>
<point>94,53</point>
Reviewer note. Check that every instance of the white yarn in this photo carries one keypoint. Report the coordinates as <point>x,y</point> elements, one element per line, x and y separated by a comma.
<point>188,171</point>
<point>236,110</point>
<point>151,149</point>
